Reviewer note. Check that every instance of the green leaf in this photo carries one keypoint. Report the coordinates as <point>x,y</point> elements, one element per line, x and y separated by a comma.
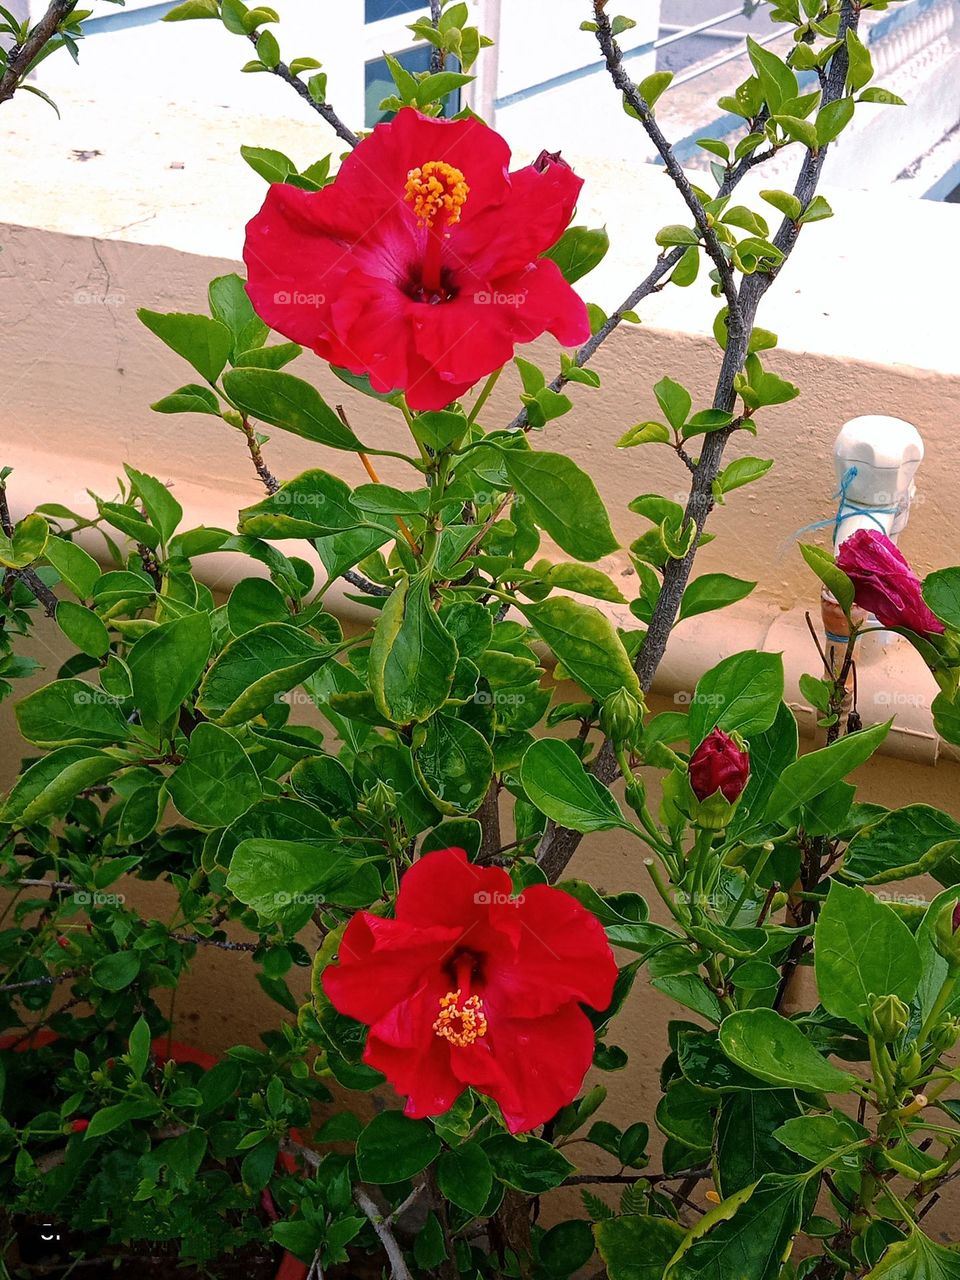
<point>748,1234</point>
<point>804,131</point>
<point>69,713</point>
<point>941,591</point>
<point>166,663</point>
<point>712,591</point>
<point>742,471</point>
<point>273,357</point>
<point>270,875</point>
<point>465,1177</point>
<point>882,96</point>
<point>774,1049</point>
<point>564,501</point>
<point>109,1118</point>
<point>565,1248</point>
<point>833,119</point>
<point>392,1148</point>
<point>862,949</point>
<point>557,783</point>
<point>83,628</point>
<point>290,403</point>
<point>527,1164</point>
<point>637,1247</point>
<point>816,210</point>
<point>230,305</point>
<point>903,843</point>
<point>192,398</point>
<point>777,82</point>
<point>203,342</point>
<point>645,433</point>
<point>116,971</point>
<point>412,657</point>
<point>46,788</point>
<point>675,402</point>
<point>162,508</point>
<point>454,764</point>
<point>26,543</point>
<point>918,1258</point>
<point>654,85</point>
<point>816,1138</point>
<point>687,269</point>
<point>216,782</point>
<point>192,9</point>
<point>745,1144</point>
<point>834,579</point>
<point>139,1047</point>
<point>578,251</point>
<point>584,640</point>
<point>78,569</point>
<point>271,165</point>
<point>313,504</point>
<point>740,694</point>
<point>817,771</point>
<point>784,202</point>
<point>254,669</point>
<point>859,62</point>
<point>674,234</point>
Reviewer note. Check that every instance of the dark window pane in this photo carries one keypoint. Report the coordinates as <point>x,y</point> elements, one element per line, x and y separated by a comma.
<point>374,10</point>
<point>379,82</point>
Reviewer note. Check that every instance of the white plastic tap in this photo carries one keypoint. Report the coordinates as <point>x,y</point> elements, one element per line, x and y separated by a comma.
<point>876,460</point>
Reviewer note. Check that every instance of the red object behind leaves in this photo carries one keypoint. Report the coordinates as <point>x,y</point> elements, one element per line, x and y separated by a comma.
<point>420,263</point>
<point>884,583</point>
<point>472,986</point>
<point>719,764</point>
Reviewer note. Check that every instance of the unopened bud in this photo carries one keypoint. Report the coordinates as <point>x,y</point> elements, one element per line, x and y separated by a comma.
<point>945,1036</point>
<point>946,933</point>
<point>619,716</point>
<point>889,1017</point>
<point>720,763</point>
<point>910,1065</point>
<point>380,801</point>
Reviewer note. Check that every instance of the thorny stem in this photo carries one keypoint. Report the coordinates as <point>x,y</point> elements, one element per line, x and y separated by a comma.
<point>559,843</point>
<point>22,57</point>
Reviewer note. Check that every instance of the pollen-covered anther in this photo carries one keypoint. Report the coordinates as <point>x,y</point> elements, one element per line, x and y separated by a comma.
<point>436,190</point>
<point>461,1024</point>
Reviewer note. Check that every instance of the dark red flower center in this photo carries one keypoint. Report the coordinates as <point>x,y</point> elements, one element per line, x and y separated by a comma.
<point>437,191</point>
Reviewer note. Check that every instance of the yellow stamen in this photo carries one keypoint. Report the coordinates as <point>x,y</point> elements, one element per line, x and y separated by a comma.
<point>436,189</point>
<point>460,1024</point>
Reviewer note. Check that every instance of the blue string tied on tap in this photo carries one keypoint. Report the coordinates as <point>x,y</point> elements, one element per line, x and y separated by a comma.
<point>846,509</point>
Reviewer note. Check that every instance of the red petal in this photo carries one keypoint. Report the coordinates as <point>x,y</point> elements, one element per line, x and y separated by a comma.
<point>498,241</point>
<point>415,1060</point>
<point>383,963</point>
<point>444,888</point>
<point>530,1066</point>
<point>563,955</point>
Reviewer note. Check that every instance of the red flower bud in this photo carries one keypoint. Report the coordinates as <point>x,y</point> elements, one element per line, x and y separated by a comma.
<point>63,941</point>
<point>79,1126</point>
<point>884,583</point>
<point>719,764</point>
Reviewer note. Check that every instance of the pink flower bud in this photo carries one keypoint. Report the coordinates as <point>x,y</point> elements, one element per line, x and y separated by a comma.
<point>720,763</point>
<point>884,583</point>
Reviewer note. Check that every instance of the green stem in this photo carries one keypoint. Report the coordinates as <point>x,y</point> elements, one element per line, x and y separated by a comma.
<point>941,1002</point>
<point>749,886</point>
<point>484,395</point>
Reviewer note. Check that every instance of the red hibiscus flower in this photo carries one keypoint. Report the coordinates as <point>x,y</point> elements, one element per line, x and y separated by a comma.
<point>420,264</point>
<point>884,583</point>
<point>470,985</point>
